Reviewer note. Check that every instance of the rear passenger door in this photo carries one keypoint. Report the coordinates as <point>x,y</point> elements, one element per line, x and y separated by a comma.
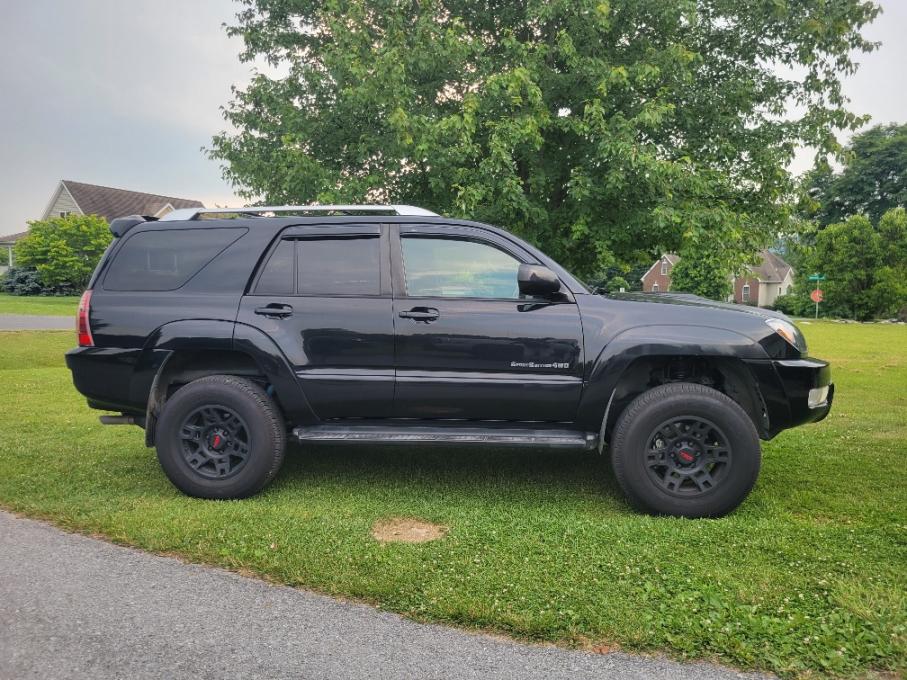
<point>323,295</point>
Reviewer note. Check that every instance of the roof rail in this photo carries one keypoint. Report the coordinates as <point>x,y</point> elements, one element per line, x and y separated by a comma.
<point>258,210</point>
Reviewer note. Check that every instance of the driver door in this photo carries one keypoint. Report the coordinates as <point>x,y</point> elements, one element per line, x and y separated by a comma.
<point>467,345</point>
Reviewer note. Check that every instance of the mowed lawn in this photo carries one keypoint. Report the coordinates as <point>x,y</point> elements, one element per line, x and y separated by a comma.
<point>808,577</point>
<point>34,304</point>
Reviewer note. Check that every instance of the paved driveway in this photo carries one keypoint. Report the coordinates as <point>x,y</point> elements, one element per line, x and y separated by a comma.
<point>77,607</point>
<point>28,322</point>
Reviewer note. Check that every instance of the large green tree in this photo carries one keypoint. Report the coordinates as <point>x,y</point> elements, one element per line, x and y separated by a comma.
<point>64,250</point>
<point>604,132</point>
<point>872,181</point>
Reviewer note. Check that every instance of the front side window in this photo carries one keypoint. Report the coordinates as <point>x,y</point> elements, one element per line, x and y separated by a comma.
<point>447,267</point>
<point>165,259</point>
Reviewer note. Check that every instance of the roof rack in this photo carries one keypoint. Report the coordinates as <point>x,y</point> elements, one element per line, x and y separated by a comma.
<point>259,210</point>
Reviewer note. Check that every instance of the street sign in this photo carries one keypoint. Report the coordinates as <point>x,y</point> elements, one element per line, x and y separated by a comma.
<point>817,295</point>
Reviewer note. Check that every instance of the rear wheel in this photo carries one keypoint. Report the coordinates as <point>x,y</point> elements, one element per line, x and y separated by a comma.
<point>220,437</point>
<point>686,450</point>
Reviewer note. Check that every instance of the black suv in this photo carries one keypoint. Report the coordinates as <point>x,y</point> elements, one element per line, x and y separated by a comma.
<point>223,335</point>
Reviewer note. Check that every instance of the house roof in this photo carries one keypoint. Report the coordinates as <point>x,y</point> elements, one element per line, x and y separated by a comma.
<point>771,269</point>
<point>11,238</point>
<point>110,203</point>
<point>672,258</point>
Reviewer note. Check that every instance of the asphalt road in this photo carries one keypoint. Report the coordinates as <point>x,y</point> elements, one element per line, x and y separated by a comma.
<point>29,322</point>
<point>76,607</point>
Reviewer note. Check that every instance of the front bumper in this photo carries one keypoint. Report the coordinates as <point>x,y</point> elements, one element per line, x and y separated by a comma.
<point>805,381</point>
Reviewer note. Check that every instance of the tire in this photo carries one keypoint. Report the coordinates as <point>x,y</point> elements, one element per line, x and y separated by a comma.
<point>220,437</point>
<point>685,450</point>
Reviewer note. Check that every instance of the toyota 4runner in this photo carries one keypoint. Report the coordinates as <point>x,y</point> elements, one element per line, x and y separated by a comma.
<point>225,335</point>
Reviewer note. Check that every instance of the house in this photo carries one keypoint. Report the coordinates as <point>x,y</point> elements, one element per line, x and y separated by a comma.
<point>759,286</point>
<point>91,199</point>
<point>7,243</point>
<point>658,278</point>
<point>764,282</point>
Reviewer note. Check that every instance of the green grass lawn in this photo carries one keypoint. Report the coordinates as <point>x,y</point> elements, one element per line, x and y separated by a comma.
<point>35,304</point>
<point>808,577</point>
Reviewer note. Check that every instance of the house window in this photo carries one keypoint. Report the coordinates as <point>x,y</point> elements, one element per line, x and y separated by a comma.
<point>746,292</point>
<point>64,213</point>
<point>779,290</point>
<point>654,287</point>
<point>664,267</point>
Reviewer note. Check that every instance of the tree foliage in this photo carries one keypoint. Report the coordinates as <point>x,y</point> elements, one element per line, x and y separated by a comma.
<point>702,271</point>
<point>872,181</point>
<point>601,131</point>
<point>63,250</point>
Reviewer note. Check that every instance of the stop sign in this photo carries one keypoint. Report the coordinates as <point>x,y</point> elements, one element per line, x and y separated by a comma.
<point>816,295</point>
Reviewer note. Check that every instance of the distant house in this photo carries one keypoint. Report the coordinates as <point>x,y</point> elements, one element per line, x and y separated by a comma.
<point>79,198</point>
<point>91,199</point>
<point>764,282</point>
<point>658,278</point>
<point>7,243</point>
<point>760,286</point>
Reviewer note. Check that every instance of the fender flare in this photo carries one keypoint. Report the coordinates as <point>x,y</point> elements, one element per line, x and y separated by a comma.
<point>657,340</point>
<point>213,335</point>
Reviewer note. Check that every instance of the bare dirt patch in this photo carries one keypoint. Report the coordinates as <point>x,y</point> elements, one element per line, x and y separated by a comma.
<point>406,530</point>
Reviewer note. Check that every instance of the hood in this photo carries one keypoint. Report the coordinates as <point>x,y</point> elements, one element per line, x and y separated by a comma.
<point>690,300</point>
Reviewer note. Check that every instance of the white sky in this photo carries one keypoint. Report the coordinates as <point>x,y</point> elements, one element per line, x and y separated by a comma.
<point>125,93</point>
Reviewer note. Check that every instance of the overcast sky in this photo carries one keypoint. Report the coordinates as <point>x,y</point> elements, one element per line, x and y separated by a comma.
<point>124,93</point>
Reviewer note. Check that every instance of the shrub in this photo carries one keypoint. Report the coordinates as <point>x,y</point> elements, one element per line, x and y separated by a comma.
<point>64,250</point>
<point>27,281</point>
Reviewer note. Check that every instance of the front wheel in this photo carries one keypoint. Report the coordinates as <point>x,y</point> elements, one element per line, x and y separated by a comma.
<point>220,437</point>
<point>685,450</point>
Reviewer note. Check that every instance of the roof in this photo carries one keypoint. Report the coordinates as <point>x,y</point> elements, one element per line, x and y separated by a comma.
<point>771,267</point>
<point>10,238</point>
<point>110,203</point>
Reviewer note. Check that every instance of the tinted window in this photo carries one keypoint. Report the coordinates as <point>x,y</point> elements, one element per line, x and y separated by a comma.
<point>277,277</point>
<point>166,259</point>
<point>442,267</point>
<point>338,266</point>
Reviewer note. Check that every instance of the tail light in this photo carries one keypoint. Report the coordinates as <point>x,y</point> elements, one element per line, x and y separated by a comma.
<point>82,326</point>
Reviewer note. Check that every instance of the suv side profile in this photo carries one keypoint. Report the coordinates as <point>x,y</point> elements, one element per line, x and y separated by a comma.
<point>225,335</point>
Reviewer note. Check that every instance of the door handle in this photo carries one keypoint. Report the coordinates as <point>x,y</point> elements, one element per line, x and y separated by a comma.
<point>275,310</point>
<point>426,314</point>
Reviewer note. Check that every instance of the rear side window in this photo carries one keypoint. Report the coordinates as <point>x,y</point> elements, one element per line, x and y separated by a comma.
<point>166,259</point>
<point>338,266</point>
<point>323,266</point>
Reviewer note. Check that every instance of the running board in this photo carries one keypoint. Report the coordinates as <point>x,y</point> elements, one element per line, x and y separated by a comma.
<point>441,434</point>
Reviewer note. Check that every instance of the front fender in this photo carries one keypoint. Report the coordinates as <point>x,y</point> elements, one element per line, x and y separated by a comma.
<point>604,373</point>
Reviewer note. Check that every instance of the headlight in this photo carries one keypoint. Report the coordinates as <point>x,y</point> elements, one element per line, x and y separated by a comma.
<point>789,332</point>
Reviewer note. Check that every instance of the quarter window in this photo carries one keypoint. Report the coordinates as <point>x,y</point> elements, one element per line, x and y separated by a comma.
<point>446,267</point>
<point>166,259</point>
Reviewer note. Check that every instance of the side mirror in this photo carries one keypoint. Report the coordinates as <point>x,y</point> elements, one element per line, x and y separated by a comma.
<point>537,280</point>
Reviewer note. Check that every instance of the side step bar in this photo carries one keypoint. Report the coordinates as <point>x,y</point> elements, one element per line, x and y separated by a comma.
<point>428,434</point>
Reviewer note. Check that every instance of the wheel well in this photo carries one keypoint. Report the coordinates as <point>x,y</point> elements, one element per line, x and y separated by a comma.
<point>729,376</point>
<point>184,366</point>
